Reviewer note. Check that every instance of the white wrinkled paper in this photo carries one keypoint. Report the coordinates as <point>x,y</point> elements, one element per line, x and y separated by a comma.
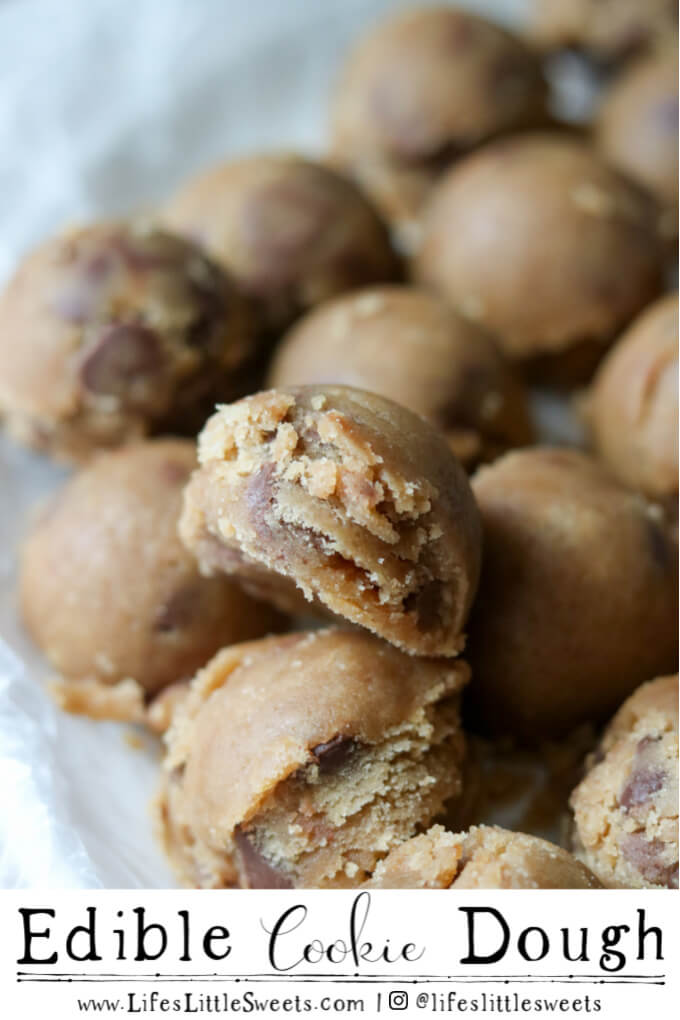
<point>105,107</point>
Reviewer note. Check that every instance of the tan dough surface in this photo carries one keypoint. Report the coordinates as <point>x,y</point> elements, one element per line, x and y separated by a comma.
<point>578,599</point>
<point>301,760</point>
<point>632,408</point>
<point>421,87</point>
<point>290,231</point>
<point>410,347</point>
<point>485,857</point>
<point>626,807</point>
<point>350,498</point>
<point>538,240</point>
<point>637,126</point>
<point>607,31</point>
<point>113,331</point>
<point>111,596</point>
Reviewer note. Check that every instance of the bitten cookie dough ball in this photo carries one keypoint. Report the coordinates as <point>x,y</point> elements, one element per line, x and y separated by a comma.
<point>541,242</point>
<point>300,761</point>
<point>410,347</point>
<point>607,31</point>
<point>578,600</point>
<point>114,331</point>
<point>626,807</point>
<point>637,128</point>
<point>111,596</point>
<point>351,498</point>
<point>290,231</point>
<point>633,404</point>
<point>483,858</point>
<point>422,87</point>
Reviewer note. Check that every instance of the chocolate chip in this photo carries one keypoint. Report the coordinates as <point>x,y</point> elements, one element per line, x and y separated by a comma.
<point>333,754</point>
<point>255,871</point>
<point>641,787</point>
<point>426,603</point>
<point>646,855</point>
<point>123,354</point>
<point>178,611</point>
<point>260,497</point>
<point>281,225</point>
<point>646,779</point>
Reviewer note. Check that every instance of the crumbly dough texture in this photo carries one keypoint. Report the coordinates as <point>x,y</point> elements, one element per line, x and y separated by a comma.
<point>578,600</point>
<point>351,498</point>
<point>485,857</point>
<point>632,408</point>
<point>606,31</point>
<point>110,594</point>
<point>301,760</point>
<point>114,331</point>
<point>292,232</point>
<point>626,807</point>
<point>636,127</point>
<point>409,346</point>
<point>537,239</point>
<point>419,89</point>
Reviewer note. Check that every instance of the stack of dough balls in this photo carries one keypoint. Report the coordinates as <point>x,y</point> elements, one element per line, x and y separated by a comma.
<point>319,538</point>
<point>421,88</point>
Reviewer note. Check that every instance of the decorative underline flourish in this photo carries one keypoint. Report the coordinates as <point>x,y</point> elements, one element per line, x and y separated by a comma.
<point>69,977</point>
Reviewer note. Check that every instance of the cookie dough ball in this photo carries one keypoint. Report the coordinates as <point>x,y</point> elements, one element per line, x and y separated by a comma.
<point>606,31</point>
<point>578,601</point>
<point>536,239</point>
<point>351,498</point>
<point>114,331</point>
<point>626,807</point>
<point>637,128</point>
<point>633,404</point>
<point>111,596</point>
<point>290,231</point>
<point>483,858</point>
<point>409,346</point>
<point>423,86</point>
<point>300,761</point>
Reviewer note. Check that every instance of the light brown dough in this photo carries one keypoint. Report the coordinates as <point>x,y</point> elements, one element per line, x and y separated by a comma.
<point>111,596</point>
<point>300,761</point>
<point>578,600</point>
<point>636,128</point>
<point>538,240</point>
<point>422,87</point>
<point>485,857</point>
<point>351,499</point>
<point>410,347</point>
<point>626,807</point>
<point>114,331</point>
<point>632,407</point>
<point>606,31</point>
<point>291,232</point>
